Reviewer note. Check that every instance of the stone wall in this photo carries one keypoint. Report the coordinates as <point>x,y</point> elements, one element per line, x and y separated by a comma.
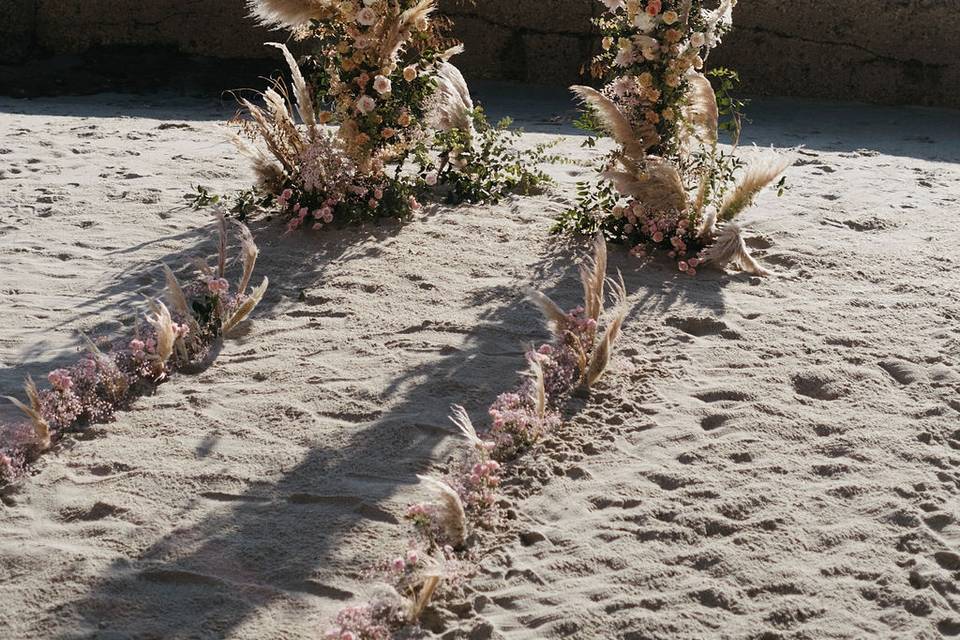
<point>899,51</point>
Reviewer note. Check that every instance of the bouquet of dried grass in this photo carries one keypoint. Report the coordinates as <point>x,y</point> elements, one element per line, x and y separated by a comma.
<point>668,186</point>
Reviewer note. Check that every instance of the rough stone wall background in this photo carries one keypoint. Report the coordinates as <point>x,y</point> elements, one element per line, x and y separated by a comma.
<point>899,51</point>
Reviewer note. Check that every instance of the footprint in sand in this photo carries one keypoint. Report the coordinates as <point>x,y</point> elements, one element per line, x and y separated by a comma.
<point>703,326</point>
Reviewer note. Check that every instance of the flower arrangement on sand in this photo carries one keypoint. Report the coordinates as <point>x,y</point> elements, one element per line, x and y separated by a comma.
<point>180,334</point>
<point>380,70</point>
<point>668,186</point>
<point>468,496</point>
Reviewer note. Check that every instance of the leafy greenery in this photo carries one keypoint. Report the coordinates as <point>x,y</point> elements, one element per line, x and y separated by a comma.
<point>486,167</point>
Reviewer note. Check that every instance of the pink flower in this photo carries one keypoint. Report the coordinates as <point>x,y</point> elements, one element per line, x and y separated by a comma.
<point>658,237</point>
<point>431,178</point>
<point>217,285</point>
<point>654,7</point>
<point>399,564</point>
<point>382,85</point>
<point>683,266</point>
<point>413,557</point>
<point>414,205</point>
<point>378,194</point>
<point>693,262</point>
<point>374,203</point>
<point>367,17</point>
<point>366,104</point>
<point>60,379</point>
<point>691,272</point>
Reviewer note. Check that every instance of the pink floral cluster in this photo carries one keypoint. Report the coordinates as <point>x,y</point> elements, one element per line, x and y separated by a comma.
<point>113,373</point>
<point>670,231</point>
<point>359,622</point>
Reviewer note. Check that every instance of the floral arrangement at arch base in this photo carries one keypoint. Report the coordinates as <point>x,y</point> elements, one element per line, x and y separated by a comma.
<point>180,334</point>
<point>467,497</point>
<point>668,186</point>
<point>380,71</point>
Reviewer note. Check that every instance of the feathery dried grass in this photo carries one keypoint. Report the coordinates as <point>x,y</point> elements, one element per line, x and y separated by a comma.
<point>634,142</point>
<point>245,309</point>
<point>453,518</point>
<point>701,113</point>
<point>539,393</point>
<point>461,418</point>
<point>291,13</point>
<point>425,595</point>
<point>221,242</point>
<point>41,430</point>
<point>555,316</point>
<point>593,275</point>
<point>300,89</point>
<point>248,256</point>
<point>162,322</point>
<point>600,358</point>
<point>175,295</point>
<point>656,183</point>
<point>269,173</point>
<point>729,247</point>
<point>757,176</point>
<point>399,33</point>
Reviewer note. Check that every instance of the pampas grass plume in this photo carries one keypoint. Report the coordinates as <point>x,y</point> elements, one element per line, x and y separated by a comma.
<point>757,176</point>
<point>246,308</point>
<point>248,256</point>
<point>453,517</point>
<point>551,311</point>
<point>461,418</point>
<point>593,274</point>
<point>162,322</point>
<point>41,430</point>
<point>729,247</point>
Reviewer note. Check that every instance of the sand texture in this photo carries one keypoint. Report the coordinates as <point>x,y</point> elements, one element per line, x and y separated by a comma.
<point>771,458</point>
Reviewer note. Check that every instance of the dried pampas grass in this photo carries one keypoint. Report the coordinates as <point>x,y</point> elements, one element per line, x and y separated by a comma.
<point>593,274</point>
<point>431,582</point>
<point>162,323</point>
<point>539,393</point>
<point>41,430</point>
<point>245,308</point>
<point>757,176</point>
<point>248,256</point>
<point>655,183</point>
<point>555,316</point>
<point>600,357</point>
<point>461,418</point>
<point>634,142</point>
<point>453,518</point>
<point>291,13</point>
<point>300,89</point>
<point>398,35</point>
<point>701,112</point>
<point>729,247</point>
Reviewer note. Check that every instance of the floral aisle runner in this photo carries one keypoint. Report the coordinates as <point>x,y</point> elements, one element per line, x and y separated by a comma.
<point>180,335</point>
<point>444,543</point>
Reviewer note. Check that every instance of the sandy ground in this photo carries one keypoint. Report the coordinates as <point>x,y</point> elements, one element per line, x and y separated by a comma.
<point>767,459</point>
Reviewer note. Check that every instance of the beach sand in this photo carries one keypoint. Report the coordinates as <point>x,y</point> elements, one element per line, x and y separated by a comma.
<point>767,458</point>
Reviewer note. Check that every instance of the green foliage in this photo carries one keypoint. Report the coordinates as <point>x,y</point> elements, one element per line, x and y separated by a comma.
<point>486,167</point>
<point>729,106</point>
<point>245,202</point>
<point>594,202</point>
